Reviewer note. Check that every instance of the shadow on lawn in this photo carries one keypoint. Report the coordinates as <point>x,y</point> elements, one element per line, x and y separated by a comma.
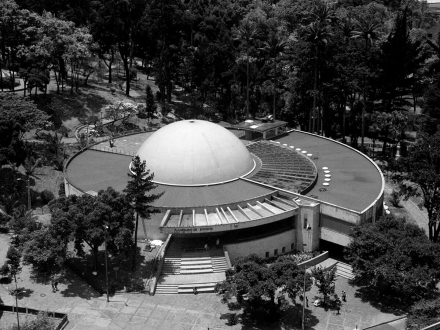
<point>120,274</point>
<point>380,300</point>
<point>79,105</point>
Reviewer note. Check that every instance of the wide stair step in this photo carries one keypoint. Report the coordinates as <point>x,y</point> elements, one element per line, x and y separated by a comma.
<point>201,288</point>
<point>344,270</point>
<point>167,289</point>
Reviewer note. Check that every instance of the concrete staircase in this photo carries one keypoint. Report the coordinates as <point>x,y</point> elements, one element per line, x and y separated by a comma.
<point>344,270</point>
<point>188,267</point>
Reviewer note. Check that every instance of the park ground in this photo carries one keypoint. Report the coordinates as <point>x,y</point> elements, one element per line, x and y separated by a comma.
<point>89,310</point>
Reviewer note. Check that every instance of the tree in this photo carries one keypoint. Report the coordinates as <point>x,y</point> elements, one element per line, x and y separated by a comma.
<point>18,115</point>
<point>45,251</point>
<point>150,105</point>
<point>325,281</point>
<point>317,33</point>
<point>400,60</point>
<point>30,164</point>
<point>246,33</point>
<point>396,259</point>
<point>423,313</point>
<point>273,47</point>
<point>13,259</point>
<point>263,285</point>
<point>136,190</point>
<point>418,173</point>
<point>56,149</point>
<point>82,219</point>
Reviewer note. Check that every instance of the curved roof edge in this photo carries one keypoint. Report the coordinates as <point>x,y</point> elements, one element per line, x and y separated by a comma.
<point>362,154</point>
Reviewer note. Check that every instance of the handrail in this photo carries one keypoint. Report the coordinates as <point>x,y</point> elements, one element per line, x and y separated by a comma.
<point>159,261</point>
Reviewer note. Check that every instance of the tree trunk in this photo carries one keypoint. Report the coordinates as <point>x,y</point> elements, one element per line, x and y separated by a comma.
<point>127,77</point>
<point>133,267</point>
<point>57,81</point>
<point>95,257</point>
<point>247,84</point>
<point>87,78</point>
<point>312,122</point>
<point>71,81</point>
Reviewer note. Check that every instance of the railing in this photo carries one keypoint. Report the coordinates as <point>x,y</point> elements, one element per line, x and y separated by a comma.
<point>158,263</point>
<point>113,150</point>
<point>25,310</point>
<point>228,260</point>
<point>314,261</point>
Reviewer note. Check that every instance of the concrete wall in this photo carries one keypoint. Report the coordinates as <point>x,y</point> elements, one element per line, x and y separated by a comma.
<point>307,226</point>
<point>263,245</point>
<point>314,261</point>
<point>150,228</point>
<point>334,237</point>
<point>340,213</point>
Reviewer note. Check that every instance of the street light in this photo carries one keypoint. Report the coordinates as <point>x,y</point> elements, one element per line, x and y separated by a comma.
<point>106,270</point>
<point>304,284</point>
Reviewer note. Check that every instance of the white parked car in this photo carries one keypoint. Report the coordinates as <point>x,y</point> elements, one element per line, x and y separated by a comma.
<point>317,303</point>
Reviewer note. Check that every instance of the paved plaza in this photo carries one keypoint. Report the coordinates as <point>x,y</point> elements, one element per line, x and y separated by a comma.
<point>88,310</point>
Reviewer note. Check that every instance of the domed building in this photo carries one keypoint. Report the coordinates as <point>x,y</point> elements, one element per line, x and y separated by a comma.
<point>299,191</point>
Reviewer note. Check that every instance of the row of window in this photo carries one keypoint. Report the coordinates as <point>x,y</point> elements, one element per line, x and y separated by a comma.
<point>283,250</point>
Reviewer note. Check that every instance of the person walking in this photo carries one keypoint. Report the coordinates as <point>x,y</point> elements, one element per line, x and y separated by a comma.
<point>52,283</point>
<point>217,243</point>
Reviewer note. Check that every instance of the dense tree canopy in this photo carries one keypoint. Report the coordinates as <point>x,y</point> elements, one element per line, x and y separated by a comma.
<point>264,285</point>
<point>396,257</point>
<point>82,219</point>
<point>18,115</point>
<point>419,174</point>
<point>325,68</point>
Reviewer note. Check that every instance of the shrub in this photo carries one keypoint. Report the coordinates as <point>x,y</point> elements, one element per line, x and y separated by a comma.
<point>142,115</point>
<point>47,196</point>
<point>395,197</point>
<point>62,190</point>
<point>4,270</point>
<point>158,96</point>
<point>42,322</point>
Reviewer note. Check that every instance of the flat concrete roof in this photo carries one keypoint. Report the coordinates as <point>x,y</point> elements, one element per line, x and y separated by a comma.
<point>95,170</point>
<point>260,126</point>
<point>355,180</point>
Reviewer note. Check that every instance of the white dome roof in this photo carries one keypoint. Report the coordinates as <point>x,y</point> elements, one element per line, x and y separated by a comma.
<point>195,152</point>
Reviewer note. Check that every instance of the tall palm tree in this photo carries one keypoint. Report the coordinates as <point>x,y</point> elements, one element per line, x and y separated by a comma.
<point>368,30</point>
<point>317,33</point>
<point>273,47</point>
<point>30,164</point>
<point>246,33</point>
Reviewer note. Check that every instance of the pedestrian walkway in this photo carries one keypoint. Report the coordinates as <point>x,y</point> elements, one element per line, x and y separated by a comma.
<point>419,216</point>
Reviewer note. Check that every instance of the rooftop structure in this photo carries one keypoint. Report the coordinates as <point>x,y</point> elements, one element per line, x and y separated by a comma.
<point>195,152</point>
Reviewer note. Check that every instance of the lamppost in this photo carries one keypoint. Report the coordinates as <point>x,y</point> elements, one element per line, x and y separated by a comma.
<point>304,283</point>
<point>106,267</point>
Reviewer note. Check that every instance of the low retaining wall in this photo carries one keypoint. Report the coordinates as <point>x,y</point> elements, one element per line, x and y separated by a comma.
<point>25,310</point>
<point>314,261</point>
<point>434,326</point>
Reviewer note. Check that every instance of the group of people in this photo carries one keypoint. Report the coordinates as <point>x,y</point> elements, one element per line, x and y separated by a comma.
<point>217,244</point>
